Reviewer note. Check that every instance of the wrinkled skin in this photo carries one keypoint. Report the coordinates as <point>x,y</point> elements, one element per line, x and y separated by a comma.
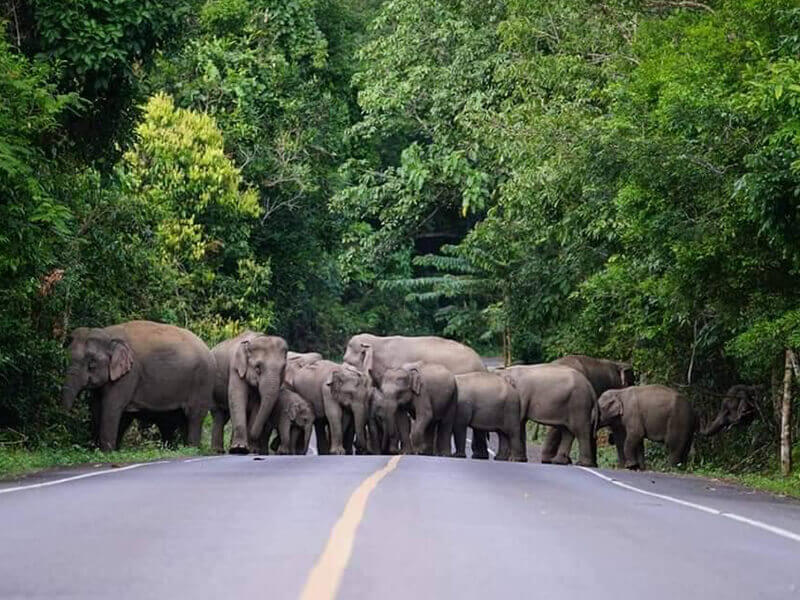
<point>562,397</point>
<point>738,408</point>
<point>250,370</point>
<point>374,355</point>
<point>430,391</point>
<point>603,374</point>
<point>140,367</point>
<point>295,421</point>
<point>339,395</point>
<point>489,402</point>
<point>653,412</point>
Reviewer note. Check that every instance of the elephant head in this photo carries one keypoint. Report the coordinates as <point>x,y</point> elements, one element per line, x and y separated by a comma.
<point>626,378</point>
<point>609,407</point>
<point>399,388</point>
<point>352,389</point>
<point>738,408</point>
<point>260,363</point>
<point>96,359</point>
<point>359,354</point>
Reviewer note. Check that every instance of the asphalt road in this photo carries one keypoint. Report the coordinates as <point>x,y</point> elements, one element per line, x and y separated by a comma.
<point>404,528</point>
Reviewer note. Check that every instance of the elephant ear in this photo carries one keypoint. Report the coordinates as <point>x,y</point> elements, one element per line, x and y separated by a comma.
<point>415,377</point>
<point>334,380</point>
<point>625,374</point>
<point>121,359</point>
<point>366,358</point>
<point>611,406</point>
<point>240,355</point>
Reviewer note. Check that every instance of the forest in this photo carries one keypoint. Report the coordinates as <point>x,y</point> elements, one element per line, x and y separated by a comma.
<point>618,178</point>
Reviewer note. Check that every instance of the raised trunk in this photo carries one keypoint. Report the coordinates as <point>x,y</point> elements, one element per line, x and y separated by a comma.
<point>268,391</point>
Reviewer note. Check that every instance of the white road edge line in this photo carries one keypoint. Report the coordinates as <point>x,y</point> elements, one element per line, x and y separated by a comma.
<point>76,477</point>
<point>191,460</point>
<point>785,533</point>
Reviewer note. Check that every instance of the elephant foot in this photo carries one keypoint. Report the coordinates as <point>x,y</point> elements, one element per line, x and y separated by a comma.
<point>460,455</point>
<point>562,460</point>
<point>338,451</point>
<point>587,463</point>
<point>547,460</point>
<point>239,450</point>
<point>633,467</point>
<point>480,456</point>
<point>519,459</point>
<point>218,450</point>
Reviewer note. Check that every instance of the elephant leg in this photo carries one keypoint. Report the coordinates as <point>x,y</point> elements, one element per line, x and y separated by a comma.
<point>109,425</point>
<point>195,417</point>
<point>430,440</point>
<point>444,432</point>
<point>587,446</point>
<point>218,430</point>
<point>420,438</point>
<point>480,444</point>
<point>633,443</point>
<point>523,437</point>
<point>551,443</point>
<point>460,440</point>
<point>503,446</point>
<point>619,442</point>
<point>285,433</point>
<point>323,442</point>
<point>640,455</point>
<point>348,433</point>
<point>95,415</point>
<point>564,448</point>
<point>238,395</point>
<point>334,414</point>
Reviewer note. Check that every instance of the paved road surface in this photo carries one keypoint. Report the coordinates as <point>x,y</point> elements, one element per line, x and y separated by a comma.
<point>406,528</point>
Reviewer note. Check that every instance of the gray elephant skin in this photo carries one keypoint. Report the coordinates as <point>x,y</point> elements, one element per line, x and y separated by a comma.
<point>374,354</point>
<point>338,395</point>
<point>562,397</point>
<point>141,366</point>
<point>488,402</point>
<point>250,372</point>
<point>653,412</point>
<point>429,390</point>
<point>738,408</point>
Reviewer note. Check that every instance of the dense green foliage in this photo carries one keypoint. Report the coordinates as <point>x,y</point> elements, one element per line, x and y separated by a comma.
<point>620,179</point>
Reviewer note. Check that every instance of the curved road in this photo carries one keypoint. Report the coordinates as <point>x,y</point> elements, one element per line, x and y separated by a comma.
<point>402,528</point>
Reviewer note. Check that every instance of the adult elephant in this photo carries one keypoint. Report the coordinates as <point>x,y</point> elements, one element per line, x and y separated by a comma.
<point>249,374</point>
<point>375,355</point>
<point>430,390</point>
<point>738,408</point>
<point>141,366</point>
<point>653,412</point>
<point>603,374</point>
<point>488,402</point>
<point>336,393</point>
<point>562,397</point>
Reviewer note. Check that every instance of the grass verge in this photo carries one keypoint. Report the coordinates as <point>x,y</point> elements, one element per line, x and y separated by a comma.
<point>16,461</point>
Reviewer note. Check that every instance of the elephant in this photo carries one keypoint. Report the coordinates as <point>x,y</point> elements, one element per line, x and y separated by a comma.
<point>488,402</point>
<point>301,359</point>
<point>295,419</point>
<point>382,441</point>
<point>141,366</point>
<point>738,408</point>
<point>374,355</point>
<point>250,371</point>
<point>335,392</point>
<point>562,397</point>
<point>654,412</point>
<point>430,390</point>
<point>603,374</point>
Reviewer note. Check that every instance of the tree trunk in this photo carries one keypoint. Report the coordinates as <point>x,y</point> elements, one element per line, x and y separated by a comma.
<point>786,416</point>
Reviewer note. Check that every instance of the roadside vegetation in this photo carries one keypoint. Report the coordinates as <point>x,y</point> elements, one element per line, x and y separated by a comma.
<point>620,179</point>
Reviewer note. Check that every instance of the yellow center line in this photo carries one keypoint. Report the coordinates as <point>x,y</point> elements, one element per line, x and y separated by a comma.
<point>326,576</point>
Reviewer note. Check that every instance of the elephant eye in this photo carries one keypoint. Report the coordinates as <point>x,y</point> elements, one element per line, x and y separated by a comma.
<point>92,364</point>
<point>258,369</point>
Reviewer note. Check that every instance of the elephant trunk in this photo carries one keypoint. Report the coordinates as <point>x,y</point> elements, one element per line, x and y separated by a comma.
<point>715,427</point>
<point>362,436</point>
<point>74,382</point>
<point>268,389</point>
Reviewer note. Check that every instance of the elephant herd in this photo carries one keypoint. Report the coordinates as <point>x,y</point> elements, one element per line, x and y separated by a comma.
<point>389,395</point>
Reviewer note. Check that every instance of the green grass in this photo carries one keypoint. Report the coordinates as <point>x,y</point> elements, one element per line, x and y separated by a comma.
<point>18,461</point>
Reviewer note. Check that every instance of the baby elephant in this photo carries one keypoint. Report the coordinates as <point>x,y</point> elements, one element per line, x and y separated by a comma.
<point>489,402</point>
<point>654,412</point>
<point>295,420</point>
